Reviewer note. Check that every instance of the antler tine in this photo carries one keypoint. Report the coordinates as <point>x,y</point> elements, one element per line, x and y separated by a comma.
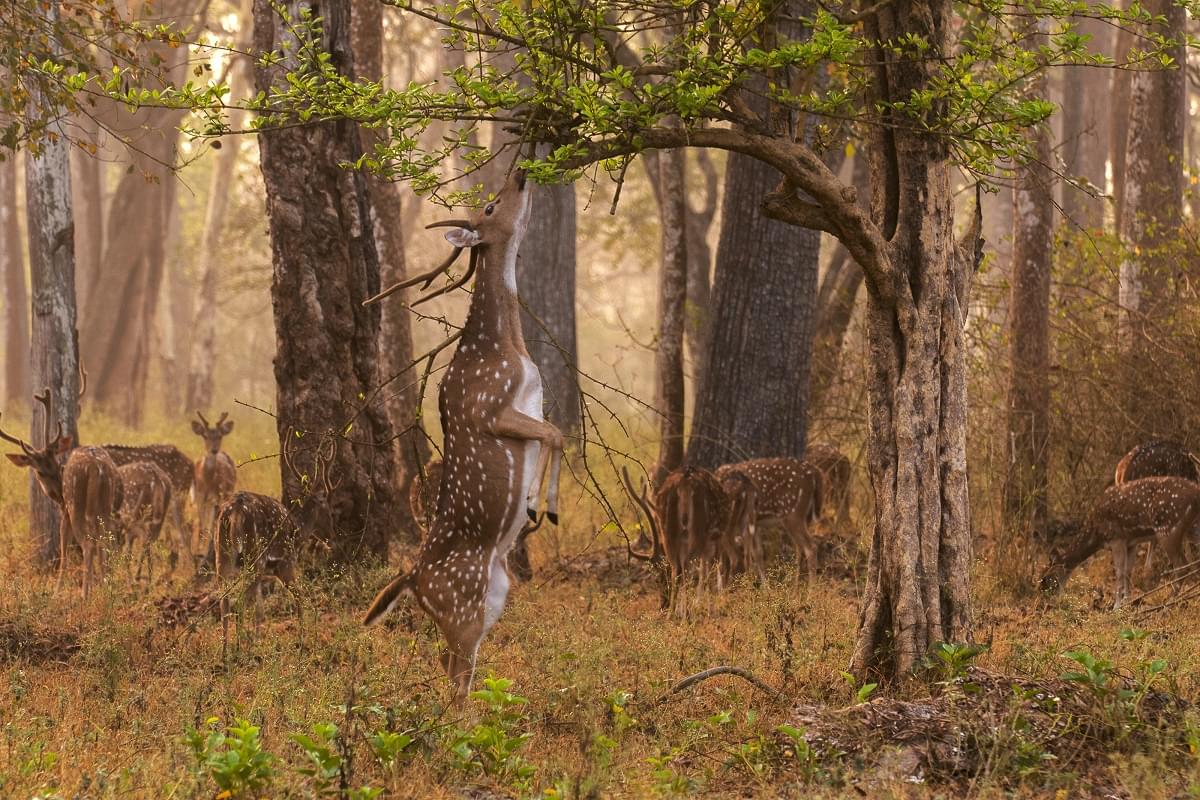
<point>647,508</point>
<point>8,437</point>
<point>425,278</point>
<point>83,378</point>
<point>325,463</point>
<point>202,419</point>
<point>224,414</point>
<point>286,454</point>
<point>47,400</point>
<point>466,277</point>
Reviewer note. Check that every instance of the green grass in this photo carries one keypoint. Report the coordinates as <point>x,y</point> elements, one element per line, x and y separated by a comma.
<point>108,700</point>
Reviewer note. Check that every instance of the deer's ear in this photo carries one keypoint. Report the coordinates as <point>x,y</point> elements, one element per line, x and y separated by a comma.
<point>462,237</point>
<point>64,444</point>
<point>227,427</point>
<point>20,459</point>
<point>197,428</point>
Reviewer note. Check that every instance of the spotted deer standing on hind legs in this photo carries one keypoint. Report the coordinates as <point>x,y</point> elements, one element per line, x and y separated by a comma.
<point>498,448</point>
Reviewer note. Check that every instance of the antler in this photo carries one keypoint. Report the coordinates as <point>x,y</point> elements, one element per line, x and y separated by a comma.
<point>450,288</point>
<point>224,414</point>
<point>29,451</point>
<point>202,419</point>
<point>47,400</point>
<point>426,278</point>
<point>647,508</point>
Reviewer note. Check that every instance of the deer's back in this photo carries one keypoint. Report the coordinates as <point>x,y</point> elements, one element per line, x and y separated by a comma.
<point>91,485</point>
<point>145,488</point>
<point>1156,458</point>
<point>782,485</point>
<point>167,457</point>
<point>254,528</point>
<point>1145,504</point>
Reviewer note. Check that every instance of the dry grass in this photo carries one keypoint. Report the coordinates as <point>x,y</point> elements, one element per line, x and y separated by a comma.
<point>99,697</point>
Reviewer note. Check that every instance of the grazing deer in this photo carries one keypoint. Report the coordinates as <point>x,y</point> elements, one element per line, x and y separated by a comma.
<point>498,448</point>
<point>1162,509</point>
<point>215,474</point>
<point>835,474</point>
<point>787,490</point>
<point>146,495</point>
<point>87,488</point>
<point>1157,458</point>
<point>179,469</point>
<point>742,545</point>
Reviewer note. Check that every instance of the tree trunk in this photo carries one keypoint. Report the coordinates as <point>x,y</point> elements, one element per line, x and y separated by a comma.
<point>325,265</point>
<point>918,573</point>
<point>402,402</point>
<point>1029,353</point>
<point>754,398</point>
<point>546,286</point>
<point>1120,86</point>
<point>672,296</point>
<point>202,354</point>
<point>87,200</point>
<point>700,219</point>
<point>1085,132</point>
<point>1151,215</point>
<point>55,343</point>
<point>16,296</point>
<point>118,321</point>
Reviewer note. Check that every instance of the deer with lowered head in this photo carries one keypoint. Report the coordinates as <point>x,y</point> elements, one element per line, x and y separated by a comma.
<point>1156,458</point>
<point>498,448</point>
<point>85,484</point>
<point>1161,509</point>
<point>179,469</point>
<point>146,496</point>
<point>215,475</point>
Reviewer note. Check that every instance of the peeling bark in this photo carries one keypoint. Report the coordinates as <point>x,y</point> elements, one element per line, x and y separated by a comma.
<point>672,297</point>
<point>16,295</point>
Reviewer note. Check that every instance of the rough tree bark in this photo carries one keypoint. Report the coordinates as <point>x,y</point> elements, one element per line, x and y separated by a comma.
<point>1151,214</point>
<point>117,346</point>
<point>546,286</point>
<point>55,342</point>
<point>1085,131</point>
<point>87,200</point>
<point>700,218</point>
<point>202,355</point>
<point>1120,86</point>
<point>672,297</point>
<point>754,399</point>
<point>325,265</point>
<point>395,335</point>
<point>1029,340</point>
<point>16,296</point>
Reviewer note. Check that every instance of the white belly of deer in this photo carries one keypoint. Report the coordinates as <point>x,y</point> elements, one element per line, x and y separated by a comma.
<point>527,400</point>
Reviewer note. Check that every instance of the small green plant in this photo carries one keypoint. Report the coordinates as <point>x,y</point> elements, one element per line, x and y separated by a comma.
<point>861,693</point>
<point>233,758</point>
<point>492,746</point>
<point>797,747</point>
<point>951,660</point>
<point>390,748</point>
<point>669,781</point>
<point>321,749</point>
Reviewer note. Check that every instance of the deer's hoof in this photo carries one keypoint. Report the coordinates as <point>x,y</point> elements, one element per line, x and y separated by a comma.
<point>552,516</point>
<point>532,514</point>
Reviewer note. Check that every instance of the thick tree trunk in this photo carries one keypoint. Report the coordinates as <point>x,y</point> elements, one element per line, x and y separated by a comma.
<point>202,355</point>
<point>1029,341</point>
<point>1120,86</point>
<point>55,343</point>
<point>402,402</point>
<point>700,218</point>
<point>546,286</point>
<point>754,399</point>
<point>918,573</point>
<point>672,296</point>
<point>87,200</point>
<point>1151,215</point>
<point>1085,132</point>
<point>16,295</point>
<point>325,265</point>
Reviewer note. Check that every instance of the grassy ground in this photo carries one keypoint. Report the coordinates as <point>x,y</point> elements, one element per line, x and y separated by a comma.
<point>128,695</point>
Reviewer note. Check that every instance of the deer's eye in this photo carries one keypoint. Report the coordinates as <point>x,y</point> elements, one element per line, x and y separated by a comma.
<point>489,209</point>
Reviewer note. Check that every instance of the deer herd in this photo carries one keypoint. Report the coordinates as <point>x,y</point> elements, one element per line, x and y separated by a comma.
<point>500,460</point>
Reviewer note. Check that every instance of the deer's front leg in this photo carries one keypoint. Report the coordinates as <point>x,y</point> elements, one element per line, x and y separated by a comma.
<point>512,424</point>
<point>1120,555</point>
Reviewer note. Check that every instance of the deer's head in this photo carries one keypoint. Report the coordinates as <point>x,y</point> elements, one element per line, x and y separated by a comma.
<point>212,434</point>
<point>500,223</point>
<point>46,461</point>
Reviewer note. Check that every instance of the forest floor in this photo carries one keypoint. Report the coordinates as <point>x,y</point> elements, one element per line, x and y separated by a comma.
<point>129,695</point>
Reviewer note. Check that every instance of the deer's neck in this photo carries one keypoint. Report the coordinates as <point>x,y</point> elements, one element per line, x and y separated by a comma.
<point>495,314</point>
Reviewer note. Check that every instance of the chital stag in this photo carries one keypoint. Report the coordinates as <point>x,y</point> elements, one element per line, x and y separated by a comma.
<point>146,495</point>
<point>787,490</point>
<point>1163,509</point>
<point>498,448</point>
<point>215,475</point>
<point>1157,458</point>
<point>179,469</point>
<point>84,482</point>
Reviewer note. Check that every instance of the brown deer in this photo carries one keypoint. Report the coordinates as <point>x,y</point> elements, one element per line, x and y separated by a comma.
<point>498,448</point>
<point>1157,458</point>
<point>1163,509</point>
<point>741,543</point>
<point>180,471</point>
<point>86,486</point>
<point>146,495</point>
<point>835,474</point>
<point>787,490</point>
<point>215,475</point>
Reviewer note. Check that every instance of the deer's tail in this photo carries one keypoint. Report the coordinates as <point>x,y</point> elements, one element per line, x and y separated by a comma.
<point>388,597</point>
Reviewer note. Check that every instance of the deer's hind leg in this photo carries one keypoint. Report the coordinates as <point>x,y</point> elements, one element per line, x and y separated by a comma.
<point>1121,564</point>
